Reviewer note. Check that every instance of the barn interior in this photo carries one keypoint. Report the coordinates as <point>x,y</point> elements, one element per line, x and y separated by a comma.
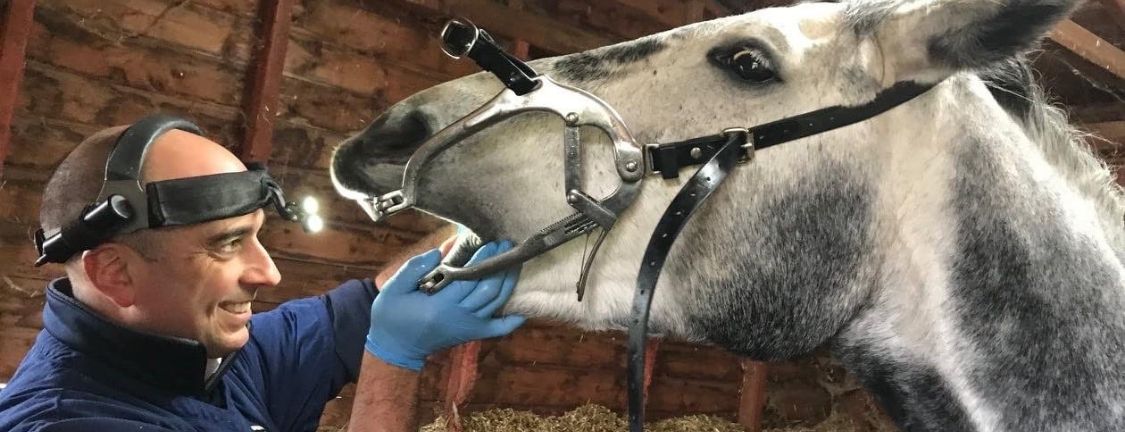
<point>284,81</point>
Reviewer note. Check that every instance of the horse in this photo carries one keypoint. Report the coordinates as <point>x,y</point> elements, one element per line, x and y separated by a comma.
<point>960,253</point>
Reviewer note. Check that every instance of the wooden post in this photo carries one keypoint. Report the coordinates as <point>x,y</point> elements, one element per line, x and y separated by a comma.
<point>651,348</point>
<point>694,12</point>
<point>753,395</point>
<point>1090,47</point>
<point>1117,10</point>
<point>520,47</point>
<point>265,80</point>
<point>459,383</point>
<point>18,19</point>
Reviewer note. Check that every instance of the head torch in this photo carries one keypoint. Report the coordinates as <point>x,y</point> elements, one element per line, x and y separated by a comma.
<point>124,206</point>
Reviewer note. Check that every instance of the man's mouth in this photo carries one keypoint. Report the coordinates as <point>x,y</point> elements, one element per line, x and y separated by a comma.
<point>236,308</point>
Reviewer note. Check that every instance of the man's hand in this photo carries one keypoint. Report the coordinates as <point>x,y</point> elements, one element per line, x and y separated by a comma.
<point>407,324</point>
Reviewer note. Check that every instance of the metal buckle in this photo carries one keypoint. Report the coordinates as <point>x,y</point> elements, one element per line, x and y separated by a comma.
<point>747,147</point>
<point>650,166</point>
<point>457,52</point>
<point>383,206</point>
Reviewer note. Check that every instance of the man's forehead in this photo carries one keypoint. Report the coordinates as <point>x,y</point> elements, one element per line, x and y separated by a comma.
<point>250,220</point>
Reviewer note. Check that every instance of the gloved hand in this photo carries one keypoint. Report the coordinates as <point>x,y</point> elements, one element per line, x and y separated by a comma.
<point>408,324</point>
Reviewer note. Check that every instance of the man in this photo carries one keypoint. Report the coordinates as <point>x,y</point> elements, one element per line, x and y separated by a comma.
<point>151,330</point>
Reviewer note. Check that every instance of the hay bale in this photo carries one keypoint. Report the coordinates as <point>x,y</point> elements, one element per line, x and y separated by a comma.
<point>595,418</point>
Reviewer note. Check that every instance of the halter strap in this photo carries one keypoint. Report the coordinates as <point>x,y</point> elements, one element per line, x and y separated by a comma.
<point>667,159</point>
<point>462,38</point>
<point>722,152</point>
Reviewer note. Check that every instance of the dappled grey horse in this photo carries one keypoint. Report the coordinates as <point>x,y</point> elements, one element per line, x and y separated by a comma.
<point>961,253</point>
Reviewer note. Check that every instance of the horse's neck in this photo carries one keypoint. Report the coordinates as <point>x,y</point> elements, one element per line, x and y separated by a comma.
<point>1001,302</point>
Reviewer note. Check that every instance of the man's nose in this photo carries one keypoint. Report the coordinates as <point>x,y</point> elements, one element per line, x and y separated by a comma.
<point>260,269</point>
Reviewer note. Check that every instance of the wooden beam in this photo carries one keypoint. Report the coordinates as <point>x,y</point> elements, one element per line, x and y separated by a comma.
<point>1090,47</point>
<point>1116,8</point>
<point>694,12</point>
<point>651,348</point>
<point>265,81</point>
<point>716,8</point>
<point>18,20</point>
<point>541,31</point>
<point>520,48</point>
<point>667,12</point>
<point>460,381</point>
<point>1112,130</point>
<point>753,395</point>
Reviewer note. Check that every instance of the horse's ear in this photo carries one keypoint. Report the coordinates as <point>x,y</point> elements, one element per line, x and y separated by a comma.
<point>931,39</point>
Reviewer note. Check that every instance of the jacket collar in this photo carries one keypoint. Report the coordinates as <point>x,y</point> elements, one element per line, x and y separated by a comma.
<point>174,364</point>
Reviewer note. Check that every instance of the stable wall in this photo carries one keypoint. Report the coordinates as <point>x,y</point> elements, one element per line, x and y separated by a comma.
<point>91,64</point>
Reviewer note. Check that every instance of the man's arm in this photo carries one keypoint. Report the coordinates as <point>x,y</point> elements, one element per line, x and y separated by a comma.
<point>386,398</point>
<point>407,325</point>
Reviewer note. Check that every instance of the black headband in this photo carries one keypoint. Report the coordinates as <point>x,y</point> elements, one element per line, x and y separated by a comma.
<point>123,206</point>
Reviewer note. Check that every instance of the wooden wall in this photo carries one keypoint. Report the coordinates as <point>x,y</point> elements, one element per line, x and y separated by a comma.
<point>91,64</point>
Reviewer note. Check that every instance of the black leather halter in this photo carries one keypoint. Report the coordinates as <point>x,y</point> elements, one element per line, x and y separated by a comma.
<point>722,152</point>
<point>718,154</point>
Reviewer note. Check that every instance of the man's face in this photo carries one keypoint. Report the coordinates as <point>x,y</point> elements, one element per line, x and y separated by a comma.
<point>201,279</point>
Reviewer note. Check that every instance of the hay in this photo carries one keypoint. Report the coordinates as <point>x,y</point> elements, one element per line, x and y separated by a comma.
<point>595,418</point>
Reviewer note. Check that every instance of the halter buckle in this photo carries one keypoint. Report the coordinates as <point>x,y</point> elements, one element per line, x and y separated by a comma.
<point>383,206</point>
<point>747,143</point>
<point>458,37</point>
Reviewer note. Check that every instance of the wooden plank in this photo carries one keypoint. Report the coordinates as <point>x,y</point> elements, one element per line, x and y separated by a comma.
<point>652,347</point>
<point>459,384</point>
<point>17,340</point>
<point>668,12</point>
<point>51,92</point>
<point>262,103</point>
<point>370,247</point>
<point>753,395</point>
<point>538,30</point>
<point>179,23</point>
<point>18,19</point>
<point>559,346</point>
<point>61,42</point>
<point>702,362</point>
<point>695,11</point>
<point>609,19</point>
<point>1090,47</point>
<point>714,9</point>
<point>1111,130</point>
<point>1116,8</point>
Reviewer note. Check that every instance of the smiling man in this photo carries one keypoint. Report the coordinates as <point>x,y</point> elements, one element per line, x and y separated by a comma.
<point>152,329</point>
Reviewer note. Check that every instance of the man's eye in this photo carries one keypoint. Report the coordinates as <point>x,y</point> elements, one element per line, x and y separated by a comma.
<point>231,246</point>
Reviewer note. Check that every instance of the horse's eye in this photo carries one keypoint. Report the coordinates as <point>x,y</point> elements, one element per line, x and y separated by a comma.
<point>751,64</point>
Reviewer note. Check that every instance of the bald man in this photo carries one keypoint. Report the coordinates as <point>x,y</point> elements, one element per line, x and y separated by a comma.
<point>152,330</point>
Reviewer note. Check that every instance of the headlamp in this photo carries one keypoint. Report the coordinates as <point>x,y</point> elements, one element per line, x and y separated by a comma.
<point>124,206</point>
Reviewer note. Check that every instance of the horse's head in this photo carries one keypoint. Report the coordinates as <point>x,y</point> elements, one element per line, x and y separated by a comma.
<point>796,223</point>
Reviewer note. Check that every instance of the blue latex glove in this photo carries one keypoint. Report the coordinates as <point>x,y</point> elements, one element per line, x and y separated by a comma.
<point>407,324</point>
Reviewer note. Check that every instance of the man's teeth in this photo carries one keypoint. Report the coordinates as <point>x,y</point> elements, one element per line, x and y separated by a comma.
<point>236,308</point>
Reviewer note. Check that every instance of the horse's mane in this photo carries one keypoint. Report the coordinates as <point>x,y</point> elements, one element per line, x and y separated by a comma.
<point>1066,148</point>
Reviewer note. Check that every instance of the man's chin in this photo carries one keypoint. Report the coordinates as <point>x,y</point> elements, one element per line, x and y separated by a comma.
<point>229,343</point>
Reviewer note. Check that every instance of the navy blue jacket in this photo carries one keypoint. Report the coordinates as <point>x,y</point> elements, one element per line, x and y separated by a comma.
<point>87,374</point>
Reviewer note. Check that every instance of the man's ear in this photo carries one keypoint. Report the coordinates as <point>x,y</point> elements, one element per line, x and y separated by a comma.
<point>107,267</point>
<point>927,40</point>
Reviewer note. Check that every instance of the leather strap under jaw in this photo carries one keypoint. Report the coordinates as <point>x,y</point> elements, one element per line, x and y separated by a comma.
<point>690,197</point>
<point>720,153</point>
